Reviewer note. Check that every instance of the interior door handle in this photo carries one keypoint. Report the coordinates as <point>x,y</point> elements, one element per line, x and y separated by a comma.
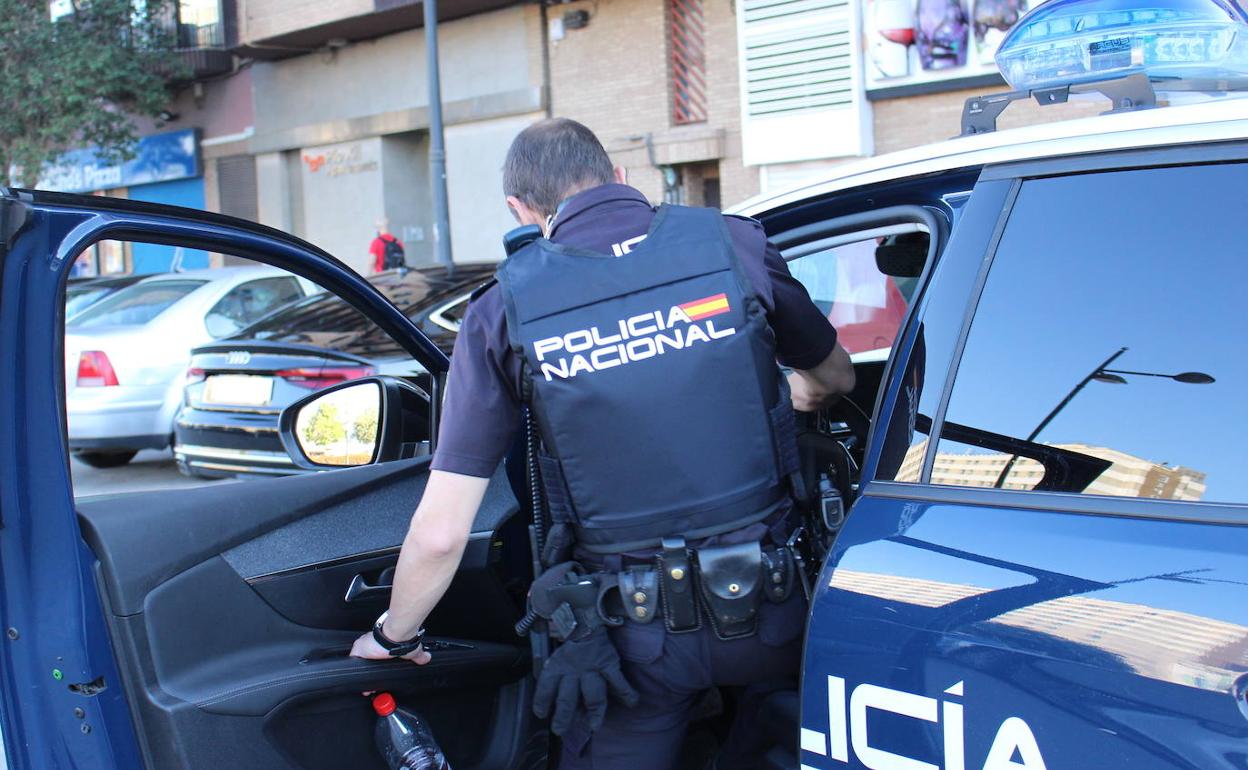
<point>360,589</point>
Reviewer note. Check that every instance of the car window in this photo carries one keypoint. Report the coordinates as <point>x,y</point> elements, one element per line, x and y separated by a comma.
<point>135,305</point>
<point>325,320</point>
<point>866,306</point>
<point>249,302</point>
<point>76,300</point>
<point>1103,357</point>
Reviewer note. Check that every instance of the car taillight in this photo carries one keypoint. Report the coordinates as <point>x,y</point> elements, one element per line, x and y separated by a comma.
<point>194,375</point>
<point>323,377</point>
<point>95,370</point>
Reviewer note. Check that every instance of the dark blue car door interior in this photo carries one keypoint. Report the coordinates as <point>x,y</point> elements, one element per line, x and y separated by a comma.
<point>209,627</point>
<point>1046,567</point>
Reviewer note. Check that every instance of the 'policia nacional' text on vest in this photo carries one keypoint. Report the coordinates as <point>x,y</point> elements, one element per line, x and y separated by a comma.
<point>654,383</point>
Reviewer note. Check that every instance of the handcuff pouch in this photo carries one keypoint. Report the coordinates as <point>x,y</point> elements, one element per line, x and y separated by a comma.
<point>731,578</point>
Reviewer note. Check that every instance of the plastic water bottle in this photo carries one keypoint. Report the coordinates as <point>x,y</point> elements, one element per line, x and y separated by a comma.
<point>403,738</point>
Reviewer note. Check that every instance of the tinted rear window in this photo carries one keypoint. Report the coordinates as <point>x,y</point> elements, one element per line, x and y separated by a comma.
<point>1105,356</point>
<point>326,321</point>
<point>136,305</point>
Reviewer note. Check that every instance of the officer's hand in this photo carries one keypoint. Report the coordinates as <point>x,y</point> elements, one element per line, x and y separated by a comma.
<point>581,671</point>
<point>366,647</point>
<point>806,398</point>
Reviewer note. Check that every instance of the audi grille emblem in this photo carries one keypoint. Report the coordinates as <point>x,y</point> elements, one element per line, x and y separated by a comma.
<point>238,358</point>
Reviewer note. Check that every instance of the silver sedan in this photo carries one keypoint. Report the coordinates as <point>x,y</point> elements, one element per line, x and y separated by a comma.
<point>126,357</point>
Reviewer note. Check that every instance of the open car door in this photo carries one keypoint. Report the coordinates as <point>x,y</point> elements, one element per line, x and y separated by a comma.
<point>209,628</point>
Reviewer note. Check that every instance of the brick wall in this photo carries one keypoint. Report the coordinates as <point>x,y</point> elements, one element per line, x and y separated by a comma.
<point>918,120</point>
<point>613,76</point>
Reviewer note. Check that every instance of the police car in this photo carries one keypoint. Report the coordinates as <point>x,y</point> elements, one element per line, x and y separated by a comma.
<point>1026,539</point>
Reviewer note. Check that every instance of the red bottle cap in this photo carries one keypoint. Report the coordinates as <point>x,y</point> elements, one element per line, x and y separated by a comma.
<point>383,704</point>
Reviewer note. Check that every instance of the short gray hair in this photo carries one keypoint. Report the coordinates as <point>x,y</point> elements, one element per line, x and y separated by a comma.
<point>552,160</point>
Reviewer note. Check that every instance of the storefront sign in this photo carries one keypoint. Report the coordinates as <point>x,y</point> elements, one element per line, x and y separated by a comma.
<point>912,42</point>
<point>339,160</point>
<point>158,158</point>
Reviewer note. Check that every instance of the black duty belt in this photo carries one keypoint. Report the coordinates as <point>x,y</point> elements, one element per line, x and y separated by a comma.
<point>724,584</point>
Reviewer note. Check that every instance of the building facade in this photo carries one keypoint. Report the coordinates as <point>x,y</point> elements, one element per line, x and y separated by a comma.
<point>341,135</point>
<point>713,101</point>
<point>312,116</point>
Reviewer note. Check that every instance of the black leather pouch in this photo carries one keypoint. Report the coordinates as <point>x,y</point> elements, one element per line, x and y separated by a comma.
<point>778,573</point>
<point>680,599</point>
<point>731,579</point>
<point>639,590</point>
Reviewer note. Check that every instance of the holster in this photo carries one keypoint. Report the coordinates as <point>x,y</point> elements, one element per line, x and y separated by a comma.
<point>567,599</point>
<point>680,599</point>
<point>731,578</point>
<point>639,590</point>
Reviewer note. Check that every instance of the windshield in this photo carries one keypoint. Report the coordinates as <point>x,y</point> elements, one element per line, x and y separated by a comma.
<point>135,305</point>
<point>77,300</point>
<point>866,306</point>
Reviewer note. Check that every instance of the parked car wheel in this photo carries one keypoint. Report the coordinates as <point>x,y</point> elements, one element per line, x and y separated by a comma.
<point>105,459</point>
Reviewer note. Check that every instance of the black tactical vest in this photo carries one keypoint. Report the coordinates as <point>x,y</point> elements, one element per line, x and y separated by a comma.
<point>654,383</point>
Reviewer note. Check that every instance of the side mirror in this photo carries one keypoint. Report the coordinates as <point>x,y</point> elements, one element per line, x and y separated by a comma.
<point>360,422</point>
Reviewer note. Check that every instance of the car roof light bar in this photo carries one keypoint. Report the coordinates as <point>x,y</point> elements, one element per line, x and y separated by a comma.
<point>1133,92</point>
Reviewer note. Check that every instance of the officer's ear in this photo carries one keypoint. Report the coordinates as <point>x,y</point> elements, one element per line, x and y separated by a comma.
<point>621,174</point>
<point>523,213</point>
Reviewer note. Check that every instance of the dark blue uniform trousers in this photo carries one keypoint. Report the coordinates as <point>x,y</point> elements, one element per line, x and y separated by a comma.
<point>671,671</point>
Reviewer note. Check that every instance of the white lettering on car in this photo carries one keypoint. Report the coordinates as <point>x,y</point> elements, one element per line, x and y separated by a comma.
<point>1013,748</point>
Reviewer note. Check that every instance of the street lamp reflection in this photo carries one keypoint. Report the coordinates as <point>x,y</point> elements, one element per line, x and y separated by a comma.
<point>1104,374</point>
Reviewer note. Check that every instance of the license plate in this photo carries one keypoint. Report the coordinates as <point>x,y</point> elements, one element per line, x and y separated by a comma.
<point>238,390</point>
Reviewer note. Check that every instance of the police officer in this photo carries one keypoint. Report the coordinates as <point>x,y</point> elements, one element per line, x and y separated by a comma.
<point>645,345</point>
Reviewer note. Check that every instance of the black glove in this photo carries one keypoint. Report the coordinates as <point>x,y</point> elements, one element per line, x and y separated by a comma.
<point>581,671</point>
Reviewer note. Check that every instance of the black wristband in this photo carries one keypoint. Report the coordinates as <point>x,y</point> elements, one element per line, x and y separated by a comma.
<point>396,649</point>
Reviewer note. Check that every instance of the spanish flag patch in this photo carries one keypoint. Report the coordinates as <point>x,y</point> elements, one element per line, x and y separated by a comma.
<point>706,307</point>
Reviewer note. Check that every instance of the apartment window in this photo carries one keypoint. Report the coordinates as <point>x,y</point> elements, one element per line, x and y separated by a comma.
<point>199,24</point>
<point>687,51</point>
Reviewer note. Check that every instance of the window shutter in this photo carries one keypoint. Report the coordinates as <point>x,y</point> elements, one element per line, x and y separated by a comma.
<point>801,80</point>
<point>236,184</point>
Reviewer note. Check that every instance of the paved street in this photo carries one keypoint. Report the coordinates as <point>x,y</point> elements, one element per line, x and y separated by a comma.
<point>150,470</point>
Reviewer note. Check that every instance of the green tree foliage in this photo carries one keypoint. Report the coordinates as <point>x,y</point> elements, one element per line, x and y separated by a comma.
<point>81,80</point>
<point>365,429</point>
<point>325,427</point>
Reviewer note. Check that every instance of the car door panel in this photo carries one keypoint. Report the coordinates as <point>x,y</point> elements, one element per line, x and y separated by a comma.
<point>231,605</point>
<point>146,637</point>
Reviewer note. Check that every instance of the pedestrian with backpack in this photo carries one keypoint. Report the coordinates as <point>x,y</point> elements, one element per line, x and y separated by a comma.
<point>387,251</point>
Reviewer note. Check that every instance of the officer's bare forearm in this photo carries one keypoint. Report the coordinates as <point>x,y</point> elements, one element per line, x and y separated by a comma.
<point>432,549</point>
<point>820,386</point>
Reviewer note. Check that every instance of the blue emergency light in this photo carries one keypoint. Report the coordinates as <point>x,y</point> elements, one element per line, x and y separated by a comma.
<point>1077,41</point>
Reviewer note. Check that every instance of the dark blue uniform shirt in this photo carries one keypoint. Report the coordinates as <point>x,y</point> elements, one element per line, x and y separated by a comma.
<point>481,412</point>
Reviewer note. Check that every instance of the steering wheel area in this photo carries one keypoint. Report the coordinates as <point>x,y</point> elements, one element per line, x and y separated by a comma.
<point>845,420</point>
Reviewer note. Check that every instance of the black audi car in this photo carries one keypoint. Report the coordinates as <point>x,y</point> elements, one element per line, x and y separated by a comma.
<point>237,387</point>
